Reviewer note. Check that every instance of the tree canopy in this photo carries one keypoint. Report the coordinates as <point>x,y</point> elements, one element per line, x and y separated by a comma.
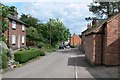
<point>104,8</point>
<point>5,10</point>
<point>51,32</point>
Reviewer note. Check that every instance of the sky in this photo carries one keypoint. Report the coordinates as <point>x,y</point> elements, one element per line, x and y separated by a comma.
<point>72,13</point>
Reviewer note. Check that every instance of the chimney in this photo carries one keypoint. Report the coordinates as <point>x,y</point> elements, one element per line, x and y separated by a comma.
<point>16,13</point>
<point>88,25</point>
<point>94,22</point>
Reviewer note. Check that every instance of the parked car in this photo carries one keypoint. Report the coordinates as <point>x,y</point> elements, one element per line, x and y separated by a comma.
<point>61,47</point>
<point>67,46</point>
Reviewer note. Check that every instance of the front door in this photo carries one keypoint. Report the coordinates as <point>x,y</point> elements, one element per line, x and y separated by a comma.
<point>19,41</point>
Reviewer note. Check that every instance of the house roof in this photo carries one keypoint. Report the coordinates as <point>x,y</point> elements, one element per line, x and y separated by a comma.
<point>99,25</point>
<point>15,19</point>
<point>93,28</point>
<point>96,27</point>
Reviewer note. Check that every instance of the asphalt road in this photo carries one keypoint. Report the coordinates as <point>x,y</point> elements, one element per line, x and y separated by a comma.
<point>67,63</point>
<point>54,65</point>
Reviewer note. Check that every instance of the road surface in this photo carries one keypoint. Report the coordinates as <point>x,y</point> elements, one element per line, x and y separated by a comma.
<point>66,63</point>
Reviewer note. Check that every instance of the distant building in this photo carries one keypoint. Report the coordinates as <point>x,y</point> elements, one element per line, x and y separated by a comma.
<point>75,40</point>
<point>16,32</point>
<point>102,43</point>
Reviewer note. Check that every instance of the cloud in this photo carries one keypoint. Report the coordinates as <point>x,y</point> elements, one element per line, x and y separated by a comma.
<point>65,1</point>
<point>71,13</point>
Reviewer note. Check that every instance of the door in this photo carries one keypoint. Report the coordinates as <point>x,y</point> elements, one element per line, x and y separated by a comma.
<point>19,41</point>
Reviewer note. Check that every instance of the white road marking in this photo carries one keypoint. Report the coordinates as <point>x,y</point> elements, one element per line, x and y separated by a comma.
<point>76,75</point>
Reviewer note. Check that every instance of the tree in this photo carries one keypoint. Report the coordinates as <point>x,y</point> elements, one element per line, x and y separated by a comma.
<point>51,32</point>
<point>29,20</point>
<point>33,36</point>
<point>5,11</point>
<point>104,8</point>
<point>58,31</point>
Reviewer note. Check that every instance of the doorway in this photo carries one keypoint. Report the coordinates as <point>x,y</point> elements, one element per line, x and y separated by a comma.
<point>18,41</point>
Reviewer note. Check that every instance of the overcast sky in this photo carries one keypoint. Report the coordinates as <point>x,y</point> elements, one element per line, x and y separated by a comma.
<point>71,13</point>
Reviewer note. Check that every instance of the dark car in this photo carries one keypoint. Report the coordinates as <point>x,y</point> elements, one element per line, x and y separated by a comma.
<point>61,47</point>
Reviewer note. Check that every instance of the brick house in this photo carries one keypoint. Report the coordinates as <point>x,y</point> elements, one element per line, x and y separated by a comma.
<point>102,43</point>
<point>16,32</point>
<point>75,40</point>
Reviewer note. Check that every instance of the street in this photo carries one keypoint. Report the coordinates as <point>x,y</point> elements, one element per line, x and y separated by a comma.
<point>66,63</point>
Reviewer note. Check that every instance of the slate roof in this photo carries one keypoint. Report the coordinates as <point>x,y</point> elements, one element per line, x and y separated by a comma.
<point>15,19</point>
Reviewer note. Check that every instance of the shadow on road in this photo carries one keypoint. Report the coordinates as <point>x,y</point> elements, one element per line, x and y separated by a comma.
<point>79,60</point>
<point>97,72</point>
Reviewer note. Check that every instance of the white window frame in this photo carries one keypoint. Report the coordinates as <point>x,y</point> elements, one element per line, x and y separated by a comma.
<point>23,39</point>
<point>23,28</point>
<point>13,24</point>
<point>13,39</point>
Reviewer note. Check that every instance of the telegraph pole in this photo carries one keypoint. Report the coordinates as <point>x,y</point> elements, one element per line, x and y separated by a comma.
<point>50,31</point>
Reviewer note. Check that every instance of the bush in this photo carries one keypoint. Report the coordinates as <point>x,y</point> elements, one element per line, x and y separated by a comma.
<point>40,45</point>
<point>24,56</point>
<point>3,61</point>
<point>3,38</point>
<point>42,54</point>
<point>22,49</point>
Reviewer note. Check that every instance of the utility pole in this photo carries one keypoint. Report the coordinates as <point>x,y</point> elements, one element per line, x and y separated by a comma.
<point>50,30</point>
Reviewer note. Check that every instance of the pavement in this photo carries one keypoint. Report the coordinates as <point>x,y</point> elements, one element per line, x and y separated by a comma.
<point>85,70</point>
<point>66,63</point>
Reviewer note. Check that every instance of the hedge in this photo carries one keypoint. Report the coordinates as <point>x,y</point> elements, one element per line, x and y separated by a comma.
<point>24,56</point>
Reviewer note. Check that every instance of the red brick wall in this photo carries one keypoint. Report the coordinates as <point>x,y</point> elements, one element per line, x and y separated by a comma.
<point>83,42</point>
<point>119,39</point>
<point>89,48</point>
<point>111,43</point>
<point>98,40</point>
<point>75,40</point>
<point>18,31</point>
<point>93,48</point>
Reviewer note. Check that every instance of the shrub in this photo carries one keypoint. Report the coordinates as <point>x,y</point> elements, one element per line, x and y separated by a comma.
<point>22,49</point>
<point>3,38</point>
<point>24,56</point>
<point>3,61</point>
<point>40,45</point>
<point>42,54</point>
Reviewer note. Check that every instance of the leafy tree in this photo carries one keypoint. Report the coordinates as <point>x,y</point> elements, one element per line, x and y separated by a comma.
<point>104,8</point>
<point>29,20</point>
<point>58,31</point>
<point>33,34</point>
<point>51,32</point>
<point>5,10</point>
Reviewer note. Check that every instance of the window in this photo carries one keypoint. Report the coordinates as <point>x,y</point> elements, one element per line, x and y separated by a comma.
<point>13,39</point>
<point>23,39</point>
<point>23,28</point>
<point>13,24</point>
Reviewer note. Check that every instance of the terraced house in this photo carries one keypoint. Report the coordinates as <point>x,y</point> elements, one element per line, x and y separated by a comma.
<point>102,43</point>
<point>16,32</point>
